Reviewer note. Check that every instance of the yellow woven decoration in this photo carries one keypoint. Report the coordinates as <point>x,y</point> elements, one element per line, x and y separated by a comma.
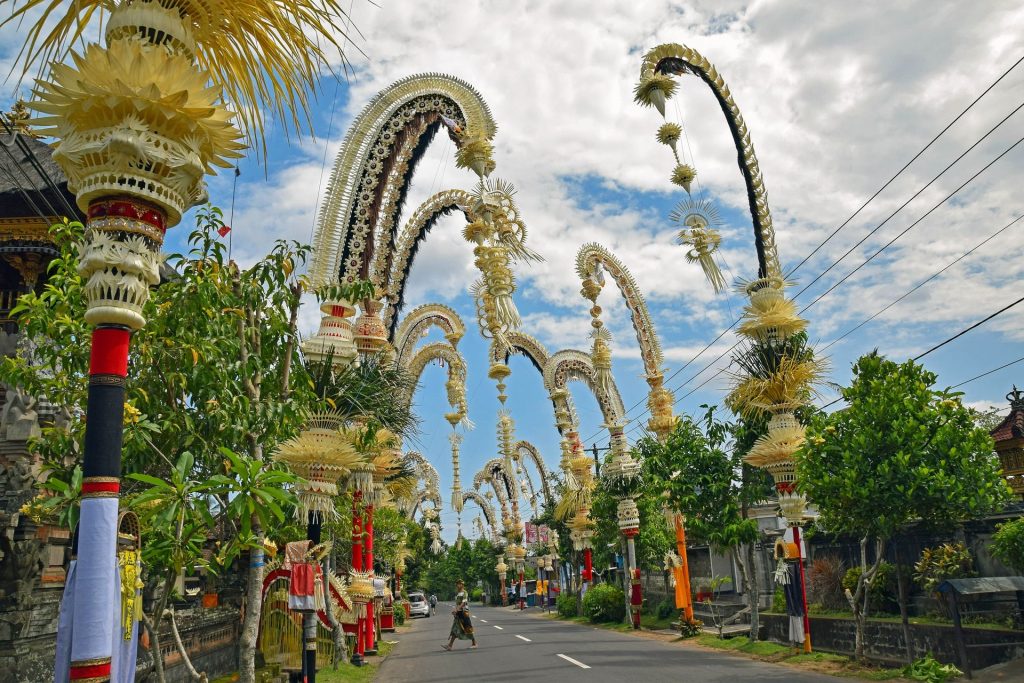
<point>653,90</point>
<point>265,54</point>
<point>775,318</point>
<point>477,231</point>
<point>601,357</point>
<point>475,154</point>
<point>683,175</point>
<point>700,221</point>
<point>134,119</point>
<point>789,387</point>
<point>669,134</point>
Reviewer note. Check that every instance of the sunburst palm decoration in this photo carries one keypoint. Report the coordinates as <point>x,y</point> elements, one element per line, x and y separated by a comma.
<point>700,221</point>
<point>264,54</point>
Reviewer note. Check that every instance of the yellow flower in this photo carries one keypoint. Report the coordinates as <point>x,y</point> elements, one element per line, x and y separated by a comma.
<point>131,414</point>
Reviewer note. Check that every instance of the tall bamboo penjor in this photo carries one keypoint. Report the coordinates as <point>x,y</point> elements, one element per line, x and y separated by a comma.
<point>139,122</point>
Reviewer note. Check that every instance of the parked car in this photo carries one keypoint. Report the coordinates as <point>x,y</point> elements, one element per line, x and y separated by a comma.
<point>418,605</point>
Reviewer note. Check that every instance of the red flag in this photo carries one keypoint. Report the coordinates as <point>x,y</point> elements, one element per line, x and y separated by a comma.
<point>224,230</point>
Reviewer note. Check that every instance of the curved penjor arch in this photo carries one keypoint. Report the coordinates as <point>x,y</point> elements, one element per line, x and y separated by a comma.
<point>587,260</point>
<point>456,384</point>
<point>527,451</point>
<point>392,268</point>
<point>572,365</point>
<point>674,59</point>
<point>488,511</point>
<point>372,172</point>
<point>592,261</point>
<point>416,323</point>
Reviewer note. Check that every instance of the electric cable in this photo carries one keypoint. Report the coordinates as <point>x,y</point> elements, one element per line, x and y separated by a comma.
<point>899,172</point>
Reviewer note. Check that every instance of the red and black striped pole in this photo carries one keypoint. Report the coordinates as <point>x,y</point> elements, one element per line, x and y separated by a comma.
<point>119,262</point>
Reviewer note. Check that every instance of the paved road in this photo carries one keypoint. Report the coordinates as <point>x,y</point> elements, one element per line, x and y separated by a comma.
<point>517,647</point>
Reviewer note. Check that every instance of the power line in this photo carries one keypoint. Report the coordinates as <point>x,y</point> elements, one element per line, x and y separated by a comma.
<point>899,172</point>
<point>923,282</point>
<point>912,198</point>
<point>873,231</point>
<point>912,225</point>
<point>986,374</point>
<point>968,329</point>
<point>955,337</point>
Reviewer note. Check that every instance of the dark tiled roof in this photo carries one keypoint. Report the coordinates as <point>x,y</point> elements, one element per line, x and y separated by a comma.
<point>18,176</point>
<point>1010,428</point>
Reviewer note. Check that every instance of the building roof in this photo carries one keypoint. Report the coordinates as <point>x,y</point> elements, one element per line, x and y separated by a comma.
<point>18,177</point>
<point>1012,426</point>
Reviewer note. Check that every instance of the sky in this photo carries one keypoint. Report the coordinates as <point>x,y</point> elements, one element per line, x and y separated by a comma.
<point>838,98</point>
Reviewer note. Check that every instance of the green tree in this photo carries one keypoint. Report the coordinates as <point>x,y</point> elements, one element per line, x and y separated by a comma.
<point>213,367</point>
<point>704,483</point>
<point>1008,544</point>
<point>901,451</point>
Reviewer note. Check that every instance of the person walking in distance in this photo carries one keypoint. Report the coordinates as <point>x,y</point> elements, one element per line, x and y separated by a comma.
<point>462,625</point>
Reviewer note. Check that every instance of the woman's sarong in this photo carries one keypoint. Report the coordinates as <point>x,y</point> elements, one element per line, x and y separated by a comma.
<point>462,626</point>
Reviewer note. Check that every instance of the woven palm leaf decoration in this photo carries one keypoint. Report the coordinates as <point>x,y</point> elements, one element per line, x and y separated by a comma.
<point>266,55</point>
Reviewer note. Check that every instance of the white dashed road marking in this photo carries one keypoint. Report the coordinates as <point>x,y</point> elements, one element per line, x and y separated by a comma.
<point>522,638</point>
<point>483,621</point>
<point>573,661</point>
<point>499,628</point>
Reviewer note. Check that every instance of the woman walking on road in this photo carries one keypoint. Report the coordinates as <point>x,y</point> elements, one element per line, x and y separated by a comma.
<point>462,625</point>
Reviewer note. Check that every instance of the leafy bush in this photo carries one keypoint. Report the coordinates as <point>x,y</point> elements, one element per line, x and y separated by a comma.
<point>779,601</point>
<point>476,595</point>
<point>881,591</point>
<point>691,628</point>
<point>399,613</point>
<point>665,609</point>
<point>948,561</point>
<point>604,603</point>
<point>1008,544</point>
<point>566,604</point>
<point>825,583</point>
<point>931,671</point>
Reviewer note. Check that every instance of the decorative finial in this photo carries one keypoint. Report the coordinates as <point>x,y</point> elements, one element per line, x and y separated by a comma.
<point>1016,399</point>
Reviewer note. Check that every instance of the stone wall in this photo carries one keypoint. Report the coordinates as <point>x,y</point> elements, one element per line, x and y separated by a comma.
<point>211,638</point>
<point>883,640</point>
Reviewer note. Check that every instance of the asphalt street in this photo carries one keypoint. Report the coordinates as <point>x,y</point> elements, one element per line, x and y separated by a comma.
<point>517,647</point>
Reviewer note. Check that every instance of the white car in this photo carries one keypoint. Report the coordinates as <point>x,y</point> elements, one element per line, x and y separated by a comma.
<point>418,605</point>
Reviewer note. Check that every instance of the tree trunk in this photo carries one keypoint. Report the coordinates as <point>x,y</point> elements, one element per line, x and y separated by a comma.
<point>859,600</point>
<point>901,585</point>
<point>153,626</point>
<point>193,674</point>
<point>337,633</point>
<point>753,592</point>
<point>253,605</point>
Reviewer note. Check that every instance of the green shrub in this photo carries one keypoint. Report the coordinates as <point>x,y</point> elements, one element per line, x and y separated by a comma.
<point>947,561</point>
<point>666,608</point>
<point>565,603</point>
<point>604,603</point>
<point>931,671</point>
<point>779,601</point>
<point>882,590</point>
<point>399,613</point>
<point>476,595</point>
<point>690,628</point>
<point>1008,544</point>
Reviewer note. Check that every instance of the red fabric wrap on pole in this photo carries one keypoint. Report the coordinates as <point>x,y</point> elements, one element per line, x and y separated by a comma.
<point>588,565</point>
<point>109,353</point>
<point>88,672</point>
